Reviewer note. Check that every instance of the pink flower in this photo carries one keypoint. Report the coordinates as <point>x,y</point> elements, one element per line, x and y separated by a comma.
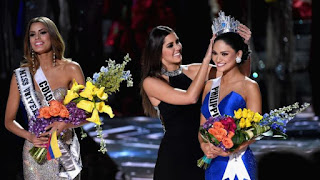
<point>229,124</point>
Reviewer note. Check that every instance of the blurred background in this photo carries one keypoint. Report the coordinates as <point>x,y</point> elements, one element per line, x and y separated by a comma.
<point>283,63</point>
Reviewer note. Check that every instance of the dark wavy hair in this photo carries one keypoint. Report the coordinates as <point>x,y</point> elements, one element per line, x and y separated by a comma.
<point>236,42</point>
<point>151,63</point>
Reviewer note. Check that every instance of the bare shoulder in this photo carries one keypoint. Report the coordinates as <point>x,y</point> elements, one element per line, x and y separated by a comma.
<point>72,70</point>
<point>208,85</point>
<point>70,65</point>
<point>251,84</point>
<point>190,69</point>
<point>151,81</point>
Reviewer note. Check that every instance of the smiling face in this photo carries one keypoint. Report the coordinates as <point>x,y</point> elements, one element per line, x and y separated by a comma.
<point>223,55</point>
<point>171,50</point>
<point>39,38</point>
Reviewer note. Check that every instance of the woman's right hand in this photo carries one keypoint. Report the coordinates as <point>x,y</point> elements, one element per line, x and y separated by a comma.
<point>208,55</point>
<point>39,141</point>
<point>210,150</point>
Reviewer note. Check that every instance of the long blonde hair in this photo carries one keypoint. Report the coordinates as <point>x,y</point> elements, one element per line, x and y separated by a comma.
<point>58,45</point>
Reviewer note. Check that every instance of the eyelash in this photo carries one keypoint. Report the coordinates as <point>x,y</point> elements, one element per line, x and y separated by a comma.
<point>223,54</point>
<point>43,32</point>
<point>171,45</point>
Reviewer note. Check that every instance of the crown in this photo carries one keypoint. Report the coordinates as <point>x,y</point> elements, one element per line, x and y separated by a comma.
<point>223,24</point>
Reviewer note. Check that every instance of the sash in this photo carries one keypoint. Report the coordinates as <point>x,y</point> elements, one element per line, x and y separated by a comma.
<point>44,86</point>
<point>26,89</point>
<point>236,166</point>
<point>214,98</point>
<point>70,159</point>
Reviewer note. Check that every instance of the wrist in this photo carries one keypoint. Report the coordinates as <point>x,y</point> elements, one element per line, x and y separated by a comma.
<point>29,136</point>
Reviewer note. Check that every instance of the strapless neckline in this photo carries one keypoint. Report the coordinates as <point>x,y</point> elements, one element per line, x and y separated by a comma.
<point>64,88</point>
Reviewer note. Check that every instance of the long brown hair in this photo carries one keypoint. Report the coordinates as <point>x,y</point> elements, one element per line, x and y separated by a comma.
<point>58,45</point>
<point>151,63</point>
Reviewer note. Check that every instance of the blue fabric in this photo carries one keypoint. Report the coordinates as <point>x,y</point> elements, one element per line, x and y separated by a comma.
<point>233,101</point>
<point>215,171</point>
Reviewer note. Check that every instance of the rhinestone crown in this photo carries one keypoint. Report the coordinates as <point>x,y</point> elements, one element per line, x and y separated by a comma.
<point>223,24</point>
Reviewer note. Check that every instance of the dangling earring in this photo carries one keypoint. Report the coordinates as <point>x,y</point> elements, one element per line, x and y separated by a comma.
<point>54,59</point>
<point>32,58</point>
<point>238,59</point>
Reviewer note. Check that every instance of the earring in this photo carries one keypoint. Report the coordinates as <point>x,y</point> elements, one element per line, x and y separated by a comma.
<point>32,58</point>
<point>238,59</point>
<point>54,59</point>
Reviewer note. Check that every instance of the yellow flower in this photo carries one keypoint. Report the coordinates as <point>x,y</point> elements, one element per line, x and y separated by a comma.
<point>70,96</point>
<point>86,105</point>
<point>102,108</point>
<point>88,91</point>
<point>238,114</point>
<point>249,119</point>
<point>244,113</point>
<point>257,117</point>
<point>75,86</point>
<point>101,94</point>
<point>250,114</point>
<point>242,123</point>
<point>248,123</point>
<point>95,117</point>
<point>73,92</point>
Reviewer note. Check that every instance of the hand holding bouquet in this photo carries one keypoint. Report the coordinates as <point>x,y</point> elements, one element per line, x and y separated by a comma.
<point>81,104</point>
<point>229,132</point>
<point>45,116</point>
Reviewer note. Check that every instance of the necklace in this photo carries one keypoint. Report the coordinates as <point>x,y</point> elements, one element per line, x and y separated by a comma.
<point>171,73</point>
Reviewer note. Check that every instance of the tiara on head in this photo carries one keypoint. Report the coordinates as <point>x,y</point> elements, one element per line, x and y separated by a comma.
<point>223,24</point>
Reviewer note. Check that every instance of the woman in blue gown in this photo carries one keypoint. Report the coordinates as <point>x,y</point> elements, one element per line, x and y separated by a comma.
<point>222,96</point>
<point>171,92</point>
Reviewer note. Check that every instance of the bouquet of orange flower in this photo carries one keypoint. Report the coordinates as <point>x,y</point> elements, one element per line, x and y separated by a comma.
<point>82,103</point>
<point>229,132</point>
<point>45,116</point>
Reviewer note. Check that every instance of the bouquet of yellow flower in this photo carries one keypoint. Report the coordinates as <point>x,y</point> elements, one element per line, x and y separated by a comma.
<point>229,133</point>
<point>93,96</point>
<point>82,103</point>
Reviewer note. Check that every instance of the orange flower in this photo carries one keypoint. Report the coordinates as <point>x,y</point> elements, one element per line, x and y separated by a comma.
<point>55,103</point>
<point>230,134</point>
<point>219,137</point>
<point>64,113</point>
<point>213,131</point>
<point>218,125</point>
<point>219,134</point>
<point>227,142</point>
<point>54,109</point>
<point>44,112</point>
<point>222,132</point>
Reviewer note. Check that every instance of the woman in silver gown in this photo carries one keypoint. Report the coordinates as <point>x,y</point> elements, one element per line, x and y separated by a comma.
<point>44,54</point>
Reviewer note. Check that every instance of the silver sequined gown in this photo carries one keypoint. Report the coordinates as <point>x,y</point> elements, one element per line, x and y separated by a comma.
<point>50,169</point>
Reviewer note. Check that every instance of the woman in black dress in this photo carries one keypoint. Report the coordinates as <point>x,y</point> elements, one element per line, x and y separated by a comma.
<point>171,92</point>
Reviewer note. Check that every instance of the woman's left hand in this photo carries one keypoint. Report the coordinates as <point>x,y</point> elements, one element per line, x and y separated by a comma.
<point>244,32</point>
<point>56,126</point>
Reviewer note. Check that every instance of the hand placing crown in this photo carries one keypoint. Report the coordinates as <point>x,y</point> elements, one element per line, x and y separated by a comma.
<point>223,24</point>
